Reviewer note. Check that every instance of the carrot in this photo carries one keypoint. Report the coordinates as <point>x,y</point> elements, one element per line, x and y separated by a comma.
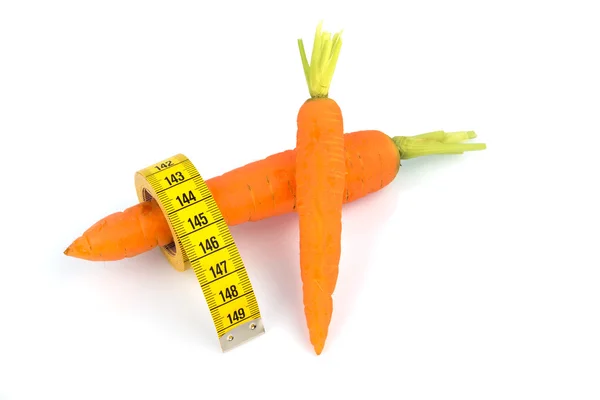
<point>266,188</point>
<point>123,234</point>
<point>320,181</point>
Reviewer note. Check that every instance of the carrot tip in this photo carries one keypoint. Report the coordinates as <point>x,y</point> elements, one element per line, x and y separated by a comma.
<point>80,248</point>
<point>319,348</point>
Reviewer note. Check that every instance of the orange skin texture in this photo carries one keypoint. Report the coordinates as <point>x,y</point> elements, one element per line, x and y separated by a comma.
<point>320,181</point>
<point>123,234</point>
<point>258,190</point>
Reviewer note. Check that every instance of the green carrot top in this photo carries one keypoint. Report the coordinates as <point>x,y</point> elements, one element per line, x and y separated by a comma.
<point>325,52</point>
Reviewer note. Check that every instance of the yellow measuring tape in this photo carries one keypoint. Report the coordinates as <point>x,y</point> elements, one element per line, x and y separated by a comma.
<point>202,241</point>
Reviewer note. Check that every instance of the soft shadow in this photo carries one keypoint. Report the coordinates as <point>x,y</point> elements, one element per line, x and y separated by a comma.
<point>270,252</point>
<point>413,171</point>
<point>363,220</point>
<point>171,299</point>
<point>148,289</point>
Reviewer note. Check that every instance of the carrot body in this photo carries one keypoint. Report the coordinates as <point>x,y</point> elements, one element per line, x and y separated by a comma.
<point>265,188</point>
<point>320,181</point>
<point>261,189</point>
<point>123,234</point>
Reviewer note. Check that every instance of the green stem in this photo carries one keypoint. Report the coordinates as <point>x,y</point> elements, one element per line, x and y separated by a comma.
<point>438,142</point>
<point>325,53</point>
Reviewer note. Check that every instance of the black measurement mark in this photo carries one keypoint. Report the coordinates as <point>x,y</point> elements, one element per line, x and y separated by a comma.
<point>198,221</point>
<point>184,207</point>
<point>236,316</point>
<point>174,178</point>
<point>234,299</point>
<point>199,229</point>
<point>175,183</point>
<point>229,293</point>
<point>209,244</point>
<point>221,277</point>
<point>223,330</point>
<point>219,269</point>
<point>186,198</point>
<point>164,166</point>
<point>206,255</point>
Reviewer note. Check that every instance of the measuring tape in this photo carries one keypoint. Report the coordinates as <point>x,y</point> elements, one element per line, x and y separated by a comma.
<point>202,241</point>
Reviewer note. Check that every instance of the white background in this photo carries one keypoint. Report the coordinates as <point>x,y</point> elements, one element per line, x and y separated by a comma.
<point>474,276</point>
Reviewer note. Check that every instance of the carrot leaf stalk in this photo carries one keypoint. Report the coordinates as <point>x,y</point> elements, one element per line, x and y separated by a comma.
<point>438,142</point>
<point>325,53</point>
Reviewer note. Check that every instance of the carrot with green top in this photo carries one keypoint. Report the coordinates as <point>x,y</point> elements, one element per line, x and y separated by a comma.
<point>266,188</point>
<point>320,181</point>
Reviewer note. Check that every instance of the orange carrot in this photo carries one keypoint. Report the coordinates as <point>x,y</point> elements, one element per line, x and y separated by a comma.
<point>123,234</point>
<point>266,188</point>
<point>320,180</point>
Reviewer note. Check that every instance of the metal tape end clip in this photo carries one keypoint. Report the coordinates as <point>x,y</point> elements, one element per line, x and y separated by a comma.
<point>241,334</point>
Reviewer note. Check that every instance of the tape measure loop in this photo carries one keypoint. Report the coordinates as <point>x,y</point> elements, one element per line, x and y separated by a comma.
<point>202,241</point>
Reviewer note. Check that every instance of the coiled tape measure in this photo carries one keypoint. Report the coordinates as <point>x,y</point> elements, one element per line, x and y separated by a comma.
<point>202,241</point>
